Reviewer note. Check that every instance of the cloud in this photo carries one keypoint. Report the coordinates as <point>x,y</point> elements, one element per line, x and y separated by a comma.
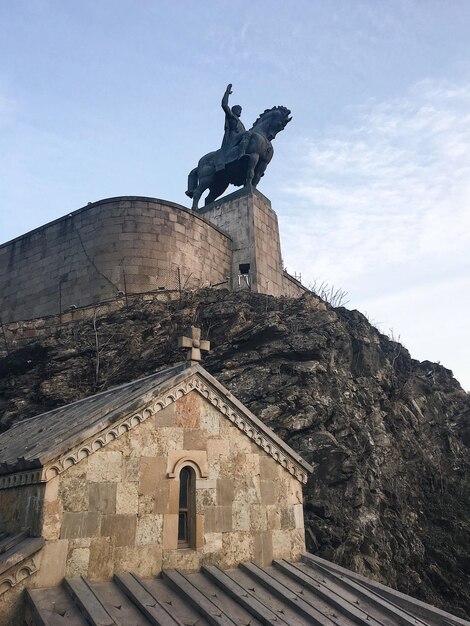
<point>384,205</point>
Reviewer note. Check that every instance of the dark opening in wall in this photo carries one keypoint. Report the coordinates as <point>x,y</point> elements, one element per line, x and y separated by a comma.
<point>244,268</point>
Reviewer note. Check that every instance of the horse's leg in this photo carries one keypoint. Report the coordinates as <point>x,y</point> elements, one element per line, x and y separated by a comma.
<point>200,189</point>
<point>259,172</point>
<point>262,165</point>
<point>202,178</point>
<point>253,159</point>
<point>216,189</point>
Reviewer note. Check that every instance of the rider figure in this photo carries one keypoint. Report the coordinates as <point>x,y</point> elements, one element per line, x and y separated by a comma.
<point>235,133</point>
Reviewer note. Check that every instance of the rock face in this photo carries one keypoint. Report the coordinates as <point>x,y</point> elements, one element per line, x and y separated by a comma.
<point>389,436</point>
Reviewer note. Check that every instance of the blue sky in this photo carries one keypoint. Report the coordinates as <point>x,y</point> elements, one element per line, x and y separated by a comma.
<point>371,179</point>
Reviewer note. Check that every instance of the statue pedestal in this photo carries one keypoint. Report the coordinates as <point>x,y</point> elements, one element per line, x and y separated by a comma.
<point>248,218</point>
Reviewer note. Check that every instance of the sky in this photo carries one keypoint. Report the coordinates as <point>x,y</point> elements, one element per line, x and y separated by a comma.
<point>370,180</point>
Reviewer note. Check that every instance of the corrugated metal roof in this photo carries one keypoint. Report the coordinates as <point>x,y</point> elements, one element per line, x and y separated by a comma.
<point>313,591</point>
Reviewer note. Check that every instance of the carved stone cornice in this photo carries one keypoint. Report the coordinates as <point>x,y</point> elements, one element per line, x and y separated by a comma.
<point>195,382</point>
<point>17,574</point>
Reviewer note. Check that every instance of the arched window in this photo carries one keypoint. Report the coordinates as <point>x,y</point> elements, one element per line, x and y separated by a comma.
<point>187,508</point>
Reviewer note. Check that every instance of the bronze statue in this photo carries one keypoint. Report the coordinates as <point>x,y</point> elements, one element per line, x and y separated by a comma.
<point>244,155</point>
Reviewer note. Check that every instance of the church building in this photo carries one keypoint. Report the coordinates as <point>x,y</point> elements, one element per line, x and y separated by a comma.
<point>166,501</point>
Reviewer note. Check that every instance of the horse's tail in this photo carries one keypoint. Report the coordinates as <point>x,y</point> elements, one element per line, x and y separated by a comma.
<point>192,182</point>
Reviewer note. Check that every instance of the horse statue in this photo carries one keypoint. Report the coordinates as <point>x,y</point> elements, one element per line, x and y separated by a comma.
<point>241,164</point>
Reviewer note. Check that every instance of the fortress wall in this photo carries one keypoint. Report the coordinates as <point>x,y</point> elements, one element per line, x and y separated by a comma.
<point>291,286</point>
<point>127,244</point>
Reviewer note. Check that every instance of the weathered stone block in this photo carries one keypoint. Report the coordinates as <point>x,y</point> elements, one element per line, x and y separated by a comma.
<point>217,448</point>
<point>252,467</point>
<point>225,491</point>
<point>102,497</point>
<point>200,525</point>
<point>146,560</point>
<point>127,498</point>
<point>218,519</point>
<point>297,544</point>
<point>212,543</point>
<point>186,559</point>
<point>51,492</point>
<point>162,495</point>
<point>282,543</point>
<point>106,466</point>
<point>53,552</point>
<point>52,520</point>
<point>170,531</point>
<point>267,492</point>
<point>146,504</point>
<point>248,490</point>
<point>187,411</point>
<point>73,491</point>
<point>152,471</point>
<point>263,548</point>
<point>121,528</point>
<point>84,524</point>
<point>131,469</point>
<point>77,562</point>
<point>166,416</point>
<point>274,517</point>
<point>205,497</point>
<point>298,516</point>
<point>210,419</point>
<point>268,468</point>
<point>258,517</point>
<point>287,518</point>
<point>149,530</point>
<point>194,439</point>
<point>241,516</point>
<point>236,548</point>
<point>101,560</point>
<point>169,439</point>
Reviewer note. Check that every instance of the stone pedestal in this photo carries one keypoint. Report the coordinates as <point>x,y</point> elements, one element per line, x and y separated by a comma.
<point>252,224</point>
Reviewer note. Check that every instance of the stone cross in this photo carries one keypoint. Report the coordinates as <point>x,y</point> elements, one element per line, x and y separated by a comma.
<point>195,345</point>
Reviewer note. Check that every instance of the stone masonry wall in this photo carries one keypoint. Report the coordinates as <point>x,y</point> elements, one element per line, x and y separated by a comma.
<point>291,286</point>
<point>127,244</point>
<point>117,510</point>
<point>253,226</point>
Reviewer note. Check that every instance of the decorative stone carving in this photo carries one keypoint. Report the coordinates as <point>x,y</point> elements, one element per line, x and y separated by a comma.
<point>195,345</point>
<point>194,383</point>
<point>15,575</point>
<point>197,459</point>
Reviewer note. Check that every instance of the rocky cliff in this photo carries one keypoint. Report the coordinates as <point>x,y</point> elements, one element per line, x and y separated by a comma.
<point>389,437</point>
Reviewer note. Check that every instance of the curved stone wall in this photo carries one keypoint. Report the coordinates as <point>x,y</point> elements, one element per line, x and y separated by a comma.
<point>128,244</point>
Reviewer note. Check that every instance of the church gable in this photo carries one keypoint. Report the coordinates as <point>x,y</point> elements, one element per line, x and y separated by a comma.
<point>64,437</point>
<point>127,498</point>
<point>162,473</point>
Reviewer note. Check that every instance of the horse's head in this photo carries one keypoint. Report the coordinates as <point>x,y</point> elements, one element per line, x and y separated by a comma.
<point>272,121</point>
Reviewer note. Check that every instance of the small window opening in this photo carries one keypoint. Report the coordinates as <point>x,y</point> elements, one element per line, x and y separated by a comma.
<point>244,268</point>
<point>187,508</point>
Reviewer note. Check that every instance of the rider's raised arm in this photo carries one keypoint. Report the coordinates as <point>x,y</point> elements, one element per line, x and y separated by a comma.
<point>225,105</point>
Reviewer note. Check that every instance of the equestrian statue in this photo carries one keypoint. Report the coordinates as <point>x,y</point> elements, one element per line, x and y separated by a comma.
<point>243,157</point>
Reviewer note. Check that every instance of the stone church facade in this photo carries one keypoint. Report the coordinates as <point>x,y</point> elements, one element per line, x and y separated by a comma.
<point>99,482</point>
